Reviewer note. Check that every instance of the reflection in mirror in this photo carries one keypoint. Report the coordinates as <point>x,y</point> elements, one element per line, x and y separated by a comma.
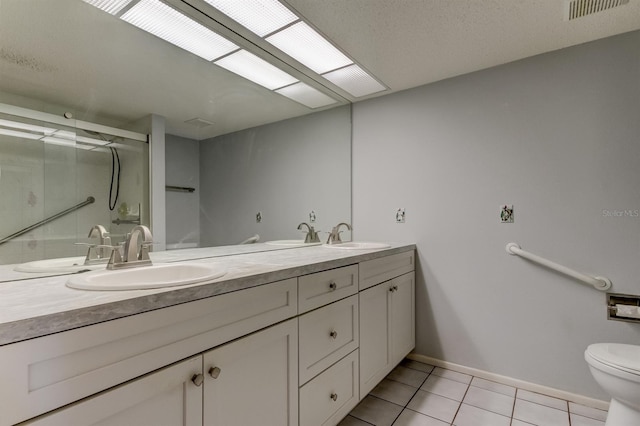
<point>262,181</point>
<point>70,56</point>
<point>57,181</point>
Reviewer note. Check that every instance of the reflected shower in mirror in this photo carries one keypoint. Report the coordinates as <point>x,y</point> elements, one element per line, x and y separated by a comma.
<point>263,152</point>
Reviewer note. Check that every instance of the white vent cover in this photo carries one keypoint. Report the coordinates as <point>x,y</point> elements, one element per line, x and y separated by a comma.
<point>578,8</point>
<point>199,122</point>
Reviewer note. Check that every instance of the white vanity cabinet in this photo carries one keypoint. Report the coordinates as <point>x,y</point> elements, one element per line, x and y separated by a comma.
<point>329,338</point>
<point>46,373</point>
<point>301,351</point>
<point>166,397</point>
<point>387,317</point>
<point>254,380</point>
<point>250,381</point>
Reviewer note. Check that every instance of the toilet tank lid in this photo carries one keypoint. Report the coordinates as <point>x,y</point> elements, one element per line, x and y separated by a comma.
<point>617,354</point>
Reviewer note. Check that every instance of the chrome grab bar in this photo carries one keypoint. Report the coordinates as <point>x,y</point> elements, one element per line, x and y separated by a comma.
<point>89,200</point>
<point>599,283</point>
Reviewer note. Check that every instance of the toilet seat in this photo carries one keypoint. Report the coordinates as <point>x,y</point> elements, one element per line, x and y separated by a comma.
<point>616,355</point>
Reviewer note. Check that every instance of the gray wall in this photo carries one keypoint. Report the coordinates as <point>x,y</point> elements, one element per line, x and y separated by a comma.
<point>284,170</point>
<point>183,208</point>
<point>557,136</point>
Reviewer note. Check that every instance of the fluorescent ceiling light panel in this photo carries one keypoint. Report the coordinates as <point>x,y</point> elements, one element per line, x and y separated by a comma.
<point>304,44</point>
<point>109,6</point>
<point>170,25</point>
<point>259,16</point>
<point>253,68</point>
<point>59,141</point>
<point>306,95</point>
<point>91,141</point>
<point>18,134</point>
<point>354,80</point>
<point>25,126</point>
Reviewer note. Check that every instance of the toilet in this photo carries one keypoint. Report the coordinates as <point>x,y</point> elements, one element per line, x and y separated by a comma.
<point>616,368</point>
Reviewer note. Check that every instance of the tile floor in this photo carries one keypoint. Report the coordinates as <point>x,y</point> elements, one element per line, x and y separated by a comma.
<point>417,394</point>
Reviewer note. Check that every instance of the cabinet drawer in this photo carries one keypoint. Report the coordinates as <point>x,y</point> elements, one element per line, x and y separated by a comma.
<point>326,335</point>
<point>329,397</point>
<point>375,271</point>
<point>320,289</point>
<point>45,373</point>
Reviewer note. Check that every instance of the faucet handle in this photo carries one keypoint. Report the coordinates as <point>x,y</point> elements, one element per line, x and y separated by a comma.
<point>144,250</point>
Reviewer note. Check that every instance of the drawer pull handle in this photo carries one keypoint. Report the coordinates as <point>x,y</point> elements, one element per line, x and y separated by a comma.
<point>214,372</point>
<point>334,396</point>
<point>333,285</point>
<point>333,334</point>
<point>197,379</point>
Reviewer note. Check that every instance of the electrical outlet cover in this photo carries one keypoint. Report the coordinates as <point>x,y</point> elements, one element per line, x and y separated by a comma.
<point>400,216</point>
<point>506,213</point>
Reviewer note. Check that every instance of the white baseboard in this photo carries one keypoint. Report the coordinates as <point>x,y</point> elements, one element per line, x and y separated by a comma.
<point>520,384</point>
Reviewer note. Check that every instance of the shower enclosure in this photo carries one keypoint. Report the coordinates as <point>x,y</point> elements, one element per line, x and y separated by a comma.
<point>59,177</point>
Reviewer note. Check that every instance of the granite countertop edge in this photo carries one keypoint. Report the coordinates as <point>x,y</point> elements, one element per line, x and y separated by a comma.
<point>39,326</point>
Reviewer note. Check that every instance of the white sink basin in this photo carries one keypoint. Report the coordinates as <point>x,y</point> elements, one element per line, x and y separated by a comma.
<point>290,243</point>
<point>357,246</point>
<point>145,277</point>
<point>60,265</point>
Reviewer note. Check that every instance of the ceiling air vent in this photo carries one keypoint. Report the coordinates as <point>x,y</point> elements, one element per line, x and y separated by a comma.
<point>579,8</point>
<point>199,122</point>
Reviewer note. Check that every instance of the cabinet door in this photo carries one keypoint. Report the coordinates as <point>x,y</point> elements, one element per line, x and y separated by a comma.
<point>254,380</point>
<point>402,325</point>
<point>387,328</point>
<point>374,336</point>
<point>166,397</point>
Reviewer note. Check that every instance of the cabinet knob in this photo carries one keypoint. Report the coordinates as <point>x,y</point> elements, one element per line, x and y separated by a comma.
<point>197,379</point>
<point>395,288</point>
<point>334,396</point>
<point>333,285</point>
<point>333,334</point>
<point>214,372</point>
<point>391,289</point>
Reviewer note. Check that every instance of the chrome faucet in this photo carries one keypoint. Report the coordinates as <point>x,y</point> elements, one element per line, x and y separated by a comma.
<point>334,235</point>
<point>312,235</point>
<point>129,256</point>
<point>100,252</point>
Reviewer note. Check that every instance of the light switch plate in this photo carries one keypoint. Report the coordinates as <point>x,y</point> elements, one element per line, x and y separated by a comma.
<point>258,217</point>
<point>400,215</point>
<point>312,217</point>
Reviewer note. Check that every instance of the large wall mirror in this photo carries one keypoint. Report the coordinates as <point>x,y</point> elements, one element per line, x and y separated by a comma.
<point>259,163</point>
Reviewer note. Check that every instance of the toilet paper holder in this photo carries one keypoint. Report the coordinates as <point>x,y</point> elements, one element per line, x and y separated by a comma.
<point>623,307</point>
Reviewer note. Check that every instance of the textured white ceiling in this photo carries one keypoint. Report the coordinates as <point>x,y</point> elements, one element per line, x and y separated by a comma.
<point>67,53</point>
<point>407,43</point>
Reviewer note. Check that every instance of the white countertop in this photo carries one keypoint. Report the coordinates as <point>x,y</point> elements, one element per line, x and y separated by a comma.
<point>36,307</point>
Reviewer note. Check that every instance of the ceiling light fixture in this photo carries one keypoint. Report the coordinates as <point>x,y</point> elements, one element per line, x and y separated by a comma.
<point>259,16</point>
<point>109,6</point>
<point>306,95</point>
<point>273,22</point>
<point>170,25</point>
<point>300,41</point>
<point>19,134</point>
<point>305,45</point>
<point>24,126</point>
<point>354,80</point>
<point>253,68</point>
